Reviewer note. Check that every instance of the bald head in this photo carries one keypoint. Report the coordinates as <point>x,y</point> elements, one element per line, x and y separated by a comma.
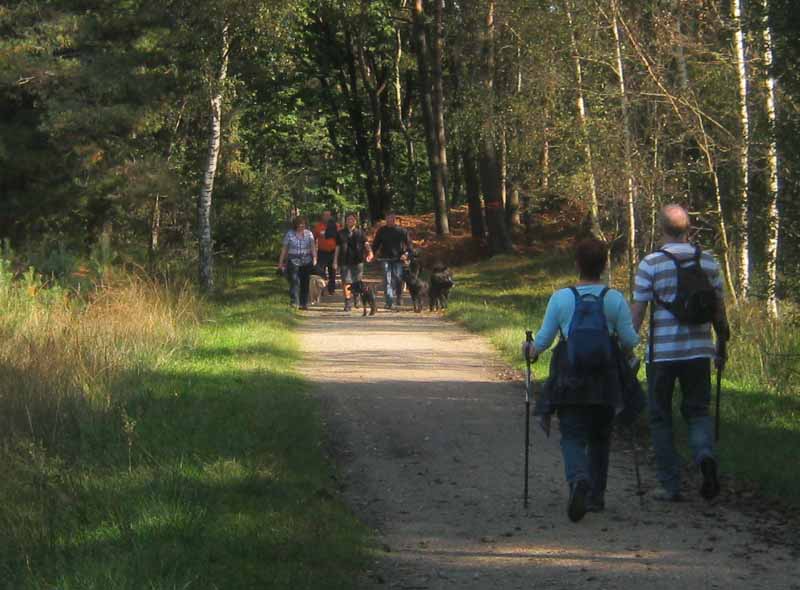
<point>674,221</point>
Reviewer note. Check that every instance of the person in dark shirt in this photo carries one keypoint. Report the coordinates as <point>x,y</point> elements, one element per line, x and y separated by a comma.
<point>352,250</point>
<point>391,243</point>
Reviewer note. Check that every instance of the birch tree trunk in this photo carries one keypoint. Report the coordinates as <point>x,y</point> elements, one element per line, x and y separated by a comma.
<point>404,123</point>
<point>744,153</point>
<point>630,184</point>
<point>155,227</point>
<point>773,183</point>
<point>438,187</point>
<point>206,243</point>
<point>594,206</point>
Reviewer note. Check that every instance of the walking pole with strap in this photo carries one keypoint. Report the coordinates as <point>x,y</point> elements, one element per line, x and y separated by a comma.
<point>528,383</point>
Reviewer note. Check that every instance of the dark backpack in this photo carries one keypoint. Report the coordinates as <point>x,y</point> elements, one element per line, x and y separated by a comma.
<point>695,298</point>
<point>331,229</point>
<point>589,346</point>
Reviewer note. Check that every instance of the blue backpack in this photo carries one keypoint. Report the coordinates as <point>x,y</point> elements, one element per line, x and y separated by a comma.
<point>589,344</point>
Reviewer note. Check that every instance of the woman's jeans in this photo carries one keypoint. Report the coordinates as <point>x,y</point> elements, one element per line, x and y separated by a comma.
<point>586,444</point>
<point>298,277</point>
<point>694,376</point>
<point>392,280</point>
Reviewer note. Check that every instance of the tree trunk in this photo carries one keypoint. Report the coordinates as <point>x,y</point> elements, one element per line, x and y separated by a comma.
<point>489,165</point>
<point>705,147</point>
<point>438,95</point>
<point>472,183</point>
<point>155,226</point>
<point>583,121</point>
<point>375,87</point>
<point>630,184</point>
<point>411,200</point>
<point>206,243</point>
<point>744,153</point>
<point>438,187</point>
<point>350,86</point>
<point>773,184</point>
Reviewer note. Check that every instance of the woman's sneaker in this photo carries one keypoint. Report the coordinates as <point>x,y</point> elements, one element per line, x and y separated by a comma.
<point>710,487</point>
<point>576,509</point>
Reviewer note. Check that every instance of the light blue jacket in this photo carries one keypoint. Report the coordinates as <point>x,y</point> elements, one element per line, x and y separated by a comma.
<point>561,306</point>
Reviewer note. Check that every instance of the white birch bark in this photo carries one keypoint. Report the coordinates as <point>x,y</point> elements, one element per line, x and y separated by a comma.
<point>744,152</point>
<point>773,184</point>
<point>594,206</point>
<point>206,243</point>
<point>630,185</point>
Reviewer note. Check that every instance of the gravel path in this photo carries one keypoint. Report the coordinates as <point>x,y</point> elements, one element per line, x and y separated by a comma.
<point>429,439</point>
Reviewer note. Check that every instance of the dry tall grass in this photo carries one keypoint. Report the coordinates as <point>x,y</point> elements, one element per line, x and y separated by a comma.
<point>63,355</point>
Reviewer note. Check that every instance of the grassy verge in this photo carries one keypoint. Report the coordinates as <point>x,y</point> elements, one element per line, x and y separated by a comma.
<point>760,431</point>
<point>202,470</point>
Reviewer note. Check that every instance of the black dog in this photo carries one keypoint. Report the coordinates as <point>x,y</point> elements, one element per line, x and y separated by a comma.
<point>416,286</point>
<point>441,283</point>
<point>367,295</point>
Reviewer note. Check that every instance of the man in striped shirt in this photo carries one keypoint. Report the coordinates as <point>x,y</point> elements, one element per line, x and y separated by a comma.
<point>682,352</point>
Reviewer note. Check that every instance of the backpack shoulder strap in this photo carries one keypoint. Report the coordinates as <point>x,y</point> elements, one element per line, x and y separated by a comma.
<point>603,293</point>
<point>670,255</point>
<point>698,252</point>
<point>575,293</point>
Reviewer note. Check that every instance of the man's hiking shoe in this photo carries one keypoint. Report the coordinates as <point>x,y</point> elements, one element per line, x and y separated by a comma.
<point>304,308</point>
<point>348,305</point>
<point>710,487</point>
<point>663,495</point>
<point>576,509</point>
<point>387,306</point>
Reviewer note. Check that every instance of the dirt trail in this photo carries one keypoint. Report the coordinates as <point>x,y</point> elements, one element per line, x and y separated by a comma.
<point>430,444</point>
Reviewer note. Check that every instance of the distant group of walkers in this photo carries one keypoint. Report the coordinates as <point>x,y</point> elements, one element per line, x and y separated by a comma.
<point>593,364</point>
<point>329,250</point>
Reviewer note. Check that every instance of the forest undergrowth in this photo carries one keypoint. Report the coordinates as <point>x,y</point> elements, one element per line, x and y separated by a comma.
<point>150,439</point>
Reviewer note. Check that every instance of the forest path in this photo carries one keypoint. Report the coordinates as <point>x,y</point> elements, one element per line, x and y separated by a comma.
<point>429,440</point>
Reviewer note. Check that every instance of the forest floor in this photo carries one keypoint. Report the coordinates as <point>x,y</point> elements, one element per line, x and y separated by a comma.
<point>426,423</point>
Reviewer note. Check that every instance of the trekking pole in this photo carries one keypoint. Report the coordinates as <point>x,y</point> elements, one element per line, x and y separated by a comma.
<point>528,338</point>
<point>635,447</point>
<point>719,392</point>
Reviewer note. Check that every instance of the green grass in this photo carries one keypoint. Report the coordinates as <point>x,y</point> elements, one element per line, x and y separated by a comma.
<point>760,432</point>
<point>214,477</point>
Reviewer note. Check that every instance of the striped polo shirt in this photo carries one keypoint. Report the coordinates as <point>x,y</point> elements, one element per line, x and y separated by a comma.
<point>674,341</point>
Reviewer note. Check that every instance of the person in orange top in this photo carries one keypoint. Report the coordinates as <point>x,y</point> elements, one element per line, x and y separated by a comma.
<point>325,232</point>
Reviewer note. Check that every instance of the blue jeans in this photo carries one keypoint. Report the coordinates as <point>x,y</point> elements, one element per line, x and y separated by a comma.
<point>586,444</point>
<point>694,377</point>
<point>298,277</point>
<point>392,280</point>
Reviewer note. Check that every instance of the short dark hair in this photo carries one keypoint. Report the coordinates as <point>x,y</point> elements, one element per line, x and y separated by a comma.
<point>591,255</point>
<point>298,221</point>
<point>353,215</point>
